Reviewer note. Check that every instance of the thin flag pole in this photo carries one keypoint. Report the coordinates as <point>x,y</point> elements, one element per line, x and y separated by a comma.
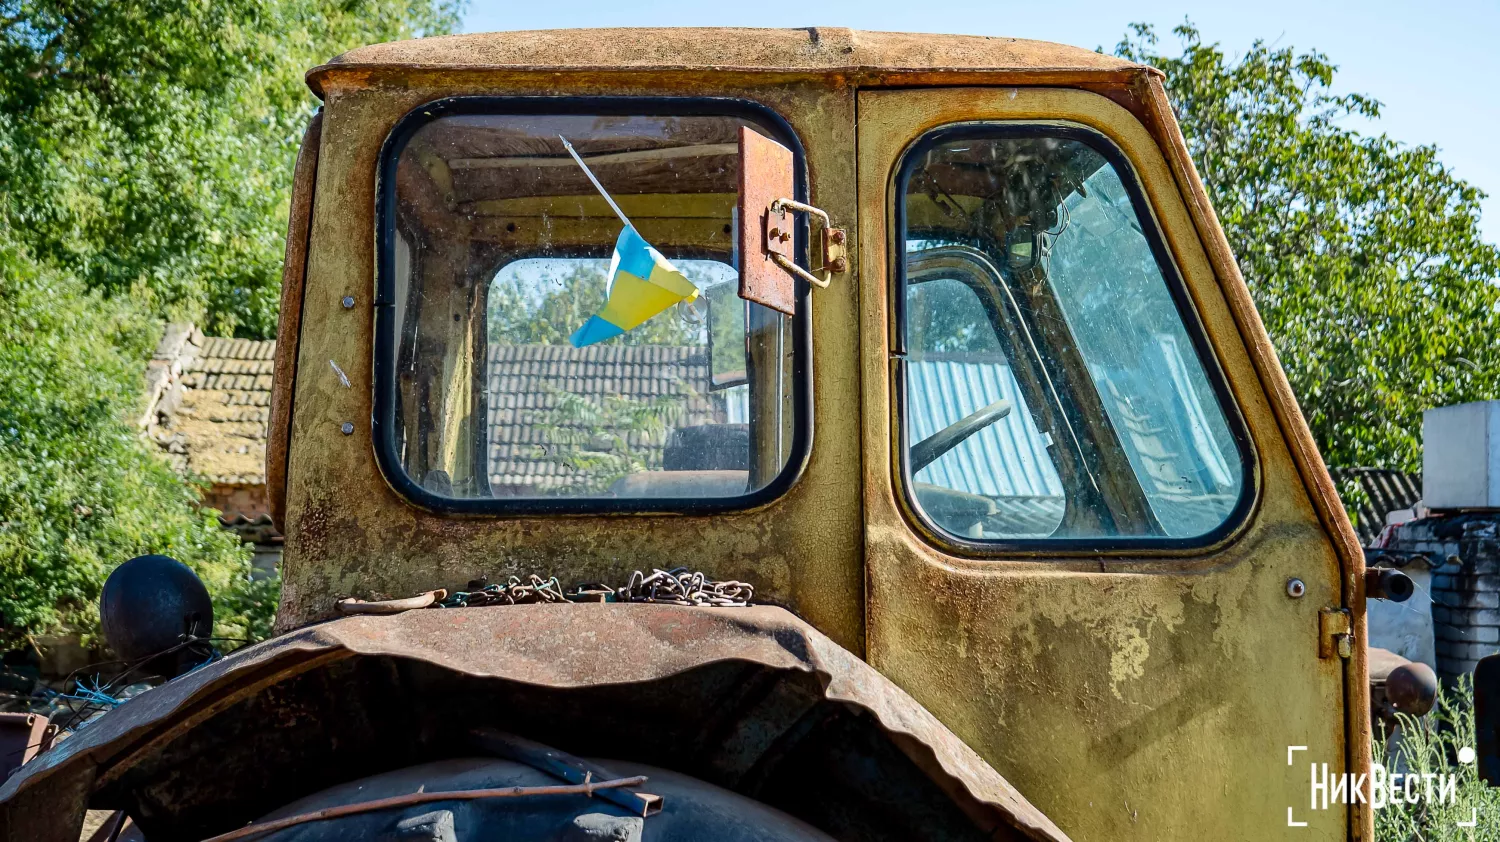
<point>597,186</point>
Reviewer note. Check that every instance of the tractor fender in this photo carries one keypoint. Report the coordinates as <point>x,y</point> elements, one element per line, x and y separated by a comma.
<point>750,699</point>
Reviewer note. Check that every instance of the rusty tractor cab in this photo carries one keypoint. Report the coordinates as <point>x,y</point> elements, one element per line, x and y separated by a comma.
<point>933,342</point>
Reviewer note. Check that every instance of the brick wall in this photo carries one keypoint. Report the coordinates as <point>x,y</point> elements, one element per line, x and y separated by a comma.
<point>1465,549</point>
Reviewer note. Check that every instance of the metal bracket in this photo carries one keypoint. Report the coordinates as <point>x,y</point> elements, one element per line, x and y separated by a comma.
<point>778,226</point>
<point>1335,633</point>
<point>389,606</point>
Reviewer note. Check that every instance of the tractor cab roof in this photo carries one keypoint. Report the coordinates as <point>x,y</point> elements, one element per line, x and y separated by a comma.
<point>824,51</point>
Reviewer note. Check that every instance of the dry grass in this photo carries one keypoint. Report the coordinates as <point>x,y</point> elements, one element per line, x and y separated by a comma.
<point>1430,745</point>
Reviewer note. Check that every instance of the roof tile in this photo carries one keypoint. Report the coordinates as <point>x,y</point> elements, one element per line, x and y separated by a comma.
<point>215,429</point>
<point>523,391</point>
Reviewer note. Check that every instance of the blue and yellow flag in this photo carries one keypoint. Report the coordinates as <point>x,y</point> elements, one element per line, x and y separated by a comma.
<point>642,283</point>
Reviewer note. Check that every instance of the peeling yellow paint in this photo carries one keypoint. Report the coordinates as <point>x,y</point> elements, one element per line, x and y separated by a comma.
<point>1128,660</point>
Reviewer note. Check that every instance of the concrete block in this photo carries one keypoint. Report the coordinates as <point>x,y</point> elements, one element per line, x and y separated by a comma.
<point>1479,650</point>
<point>1450,633</point>
<point>1454,583</point>
<point>1485,634</point>
<point>1482,564</point>
<point>1449,675</point>
<point>1461,456</point>
<point>1448,650</point>
<point>1466,617</point>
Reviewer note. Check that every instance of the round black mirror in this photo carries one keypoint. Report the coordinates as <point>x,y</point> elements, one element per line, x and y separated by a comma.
<point>155,609</point>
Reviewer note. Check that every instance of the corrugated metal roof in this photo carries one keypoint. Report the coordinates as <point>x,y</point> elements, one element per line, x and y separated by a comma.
<point>1385,491</point>
<point>1009,463</point>
<point>1007,459</point>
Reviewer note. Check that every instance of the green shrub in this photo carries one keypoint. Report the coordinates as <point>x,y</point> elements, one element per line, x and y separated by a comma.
<point>80,490</point>
<point>146,154</point>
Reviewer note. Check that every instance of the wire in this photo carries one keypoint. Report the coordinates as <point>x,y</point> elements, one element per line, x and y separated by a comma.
<point>101,696</point>
<point>586,788</point>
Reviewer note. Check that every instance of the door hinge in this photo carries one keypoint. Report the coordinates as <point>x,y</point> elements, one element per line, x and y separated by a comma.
<point>1335,633</point>
<point>778,228</point>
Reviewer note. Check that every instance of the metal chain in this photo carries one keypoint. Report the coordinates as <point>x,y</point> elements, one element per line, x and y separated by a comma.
<point>513,592</point>
<point>675,587</point>
<point>684,587</point>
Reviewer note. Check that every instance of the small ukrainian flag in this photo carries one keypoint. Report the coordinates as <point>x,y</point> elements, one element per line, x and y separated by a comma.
<point>642,283</point>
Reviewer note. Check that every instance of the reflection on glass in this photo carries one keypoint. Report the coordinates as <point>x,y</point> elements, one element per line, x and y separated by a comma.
<point>1052,389</point>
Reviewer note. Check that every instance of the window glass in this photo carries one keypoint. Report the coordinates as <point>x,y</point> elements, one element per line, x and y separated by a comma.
<point>545,348</point>
<point>1051,387</point>
<point>956,368</point>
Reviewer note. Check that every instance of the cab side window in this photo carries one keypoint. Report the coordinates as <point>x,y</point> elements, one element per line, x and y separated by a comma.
<point>1052,386</point>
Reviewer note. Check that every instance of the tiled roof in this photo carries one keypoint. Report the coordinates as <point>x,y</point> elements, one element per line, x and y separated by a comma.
<point>208,403</point>
<point>529,383</point>
<point>1385,491</point>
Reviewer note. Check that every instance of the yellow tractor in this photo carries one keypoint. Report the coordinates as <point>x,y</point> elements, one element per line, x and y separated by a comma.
<point>762,434</point>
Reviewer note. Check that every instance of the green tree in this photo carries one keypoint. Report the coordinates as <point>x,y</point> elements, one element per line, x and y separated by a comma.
<point>602,440</point>
<point>145,156</point>
<point>1364,256</point>
<point>78,492</point>
<point>147,146</point>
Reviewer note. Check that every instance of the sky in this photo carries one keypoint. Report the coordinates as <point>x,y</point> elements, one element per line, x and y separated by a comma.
<point>1435,67</point>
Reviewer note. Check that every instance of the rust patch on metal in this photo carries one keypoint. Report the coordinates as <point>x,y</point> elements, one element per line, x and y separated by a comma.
<point>766,174</point>
<point>22,736</point>
<point>289,325</point>
<point>1335,633</point>
<point>834,51</point>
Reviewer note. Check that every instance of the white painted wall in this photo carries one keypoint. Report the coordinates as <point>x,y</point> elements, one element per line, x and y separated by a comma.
<point>1406,627</point>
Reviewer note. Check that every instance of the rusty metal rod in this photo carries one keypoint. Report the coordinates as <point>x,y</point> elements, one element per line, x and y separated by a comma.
<point>585,788</point>
<point>389,606</point>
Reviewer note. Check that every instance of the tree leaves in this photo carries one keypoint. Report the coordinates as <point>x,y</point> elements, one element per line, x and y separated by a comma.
<point>146,154</point>
<point>1364,256</point>
<point>78,491</point>
<point>148,146</point>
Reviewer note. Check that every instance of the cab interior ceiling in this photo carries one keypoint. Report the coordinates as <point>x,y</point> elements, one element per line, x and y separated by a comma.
<point>981,190</point>
<point>519,191</point>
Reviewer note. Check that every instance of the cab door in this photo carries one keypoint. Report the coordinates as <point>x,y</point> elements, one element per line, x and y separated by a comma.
<point>1083,514</point>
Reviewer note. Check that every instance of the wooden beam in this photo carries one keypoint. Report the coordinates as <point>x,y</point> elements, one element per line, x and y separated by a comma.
<point>663,154</point>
